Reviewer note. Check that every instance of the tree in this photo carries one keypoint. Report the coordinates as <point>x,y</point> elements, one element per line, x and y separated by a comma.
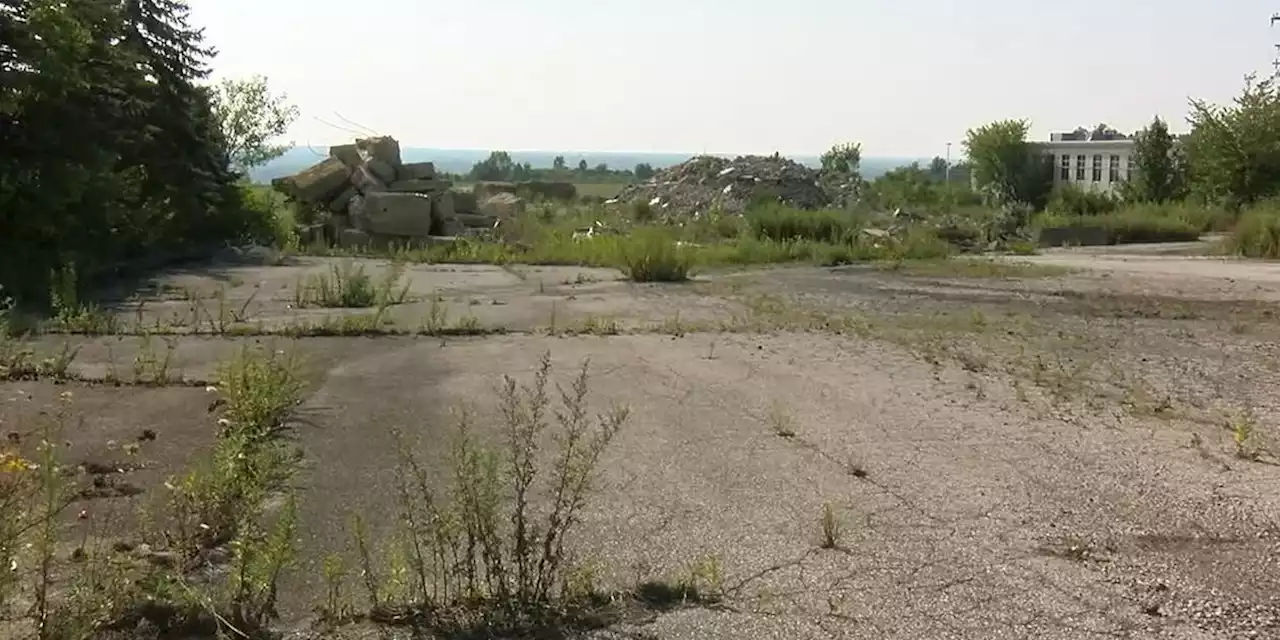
<point>644,171</point>
<point>110,148</point>
<point>250,118</point>
<point>842,160</point>
<point>558,164</point>
<point>1233,152</point>
<point>498,166</point>
<point>602,168</point>
<point>1157,172</point>
<point>905,186</point>
<point>1006,168</point>
<point>938,168</point>
<point>582,165</point>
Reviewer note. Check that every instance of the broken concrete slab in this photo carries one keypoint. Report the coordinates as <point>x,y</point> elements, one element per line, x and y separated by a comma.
<point>349,154</point>
<point>383,148</point>
<point>501,205</point>
<point>317,183</point>
<point>398,214</point>
<point>484,190</point>
<point>417,171</point>
<point>419,186</point>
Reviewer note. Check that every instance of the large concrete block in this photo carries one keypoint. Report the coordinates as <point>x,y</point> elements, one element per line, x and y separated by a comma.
<point>417,171</point>
<point>547,189</point>
<point>339,203</point>
<point>484,190</point>
<point>356,213</point>
<point>502,205</point>
<point>384,148</point>
<point>349,154</point>
<point>464,201</point>
<point>398,214</point>
<point>476,220</point>
<point>419,186</point>
<point>365,181</point>
<point>385,172</point>
<point>442,206</point>
<point>317,183</point>
<point>353,238</point>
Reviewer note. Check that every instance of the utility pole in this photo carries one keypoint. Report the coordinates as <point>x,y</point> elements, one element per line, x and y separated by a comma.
<point>947,179</point>
<point>1275,62</point>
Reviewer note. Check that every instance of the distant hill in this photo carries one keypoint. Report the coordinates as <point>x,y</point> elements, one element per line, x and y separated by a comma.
<point>461,160</point>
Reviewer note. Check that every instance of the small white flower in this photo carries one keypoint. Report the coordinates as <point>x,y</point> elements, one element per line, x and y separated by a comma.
<point>211,389</point>
<point>223,422</point>
<point>204,526</point>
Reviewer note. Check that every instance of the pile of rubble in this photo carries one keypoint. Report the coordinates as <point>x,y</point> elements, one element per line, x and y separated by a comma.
<point>368,196</point>
<point>707,183</point>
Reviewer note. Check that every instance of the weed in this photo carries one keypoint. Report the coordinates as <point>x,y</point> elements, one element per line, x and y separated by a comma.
<point>782,423</point>
<point>480,547</point>
<point>649,255</point>
<point>1244,434</point>
<point>599,326</point>
<point>1257,235</point>
<point>346,285</point>
<point>831,528</point>
<point>437,316</point>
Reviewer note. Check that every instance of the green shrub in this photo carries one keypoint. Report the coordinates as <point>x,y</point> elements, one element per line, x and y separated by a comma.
<point>650,255</point>
<point>269,219</point>
<point>1257,235</point>
<point>781,223</point>
<point>1127,226</point>
<point>1074,201</point>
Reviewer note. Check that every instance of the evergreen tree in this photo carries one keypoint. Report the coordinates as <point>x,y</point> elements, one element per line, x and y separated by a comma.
<point>1157,174</point>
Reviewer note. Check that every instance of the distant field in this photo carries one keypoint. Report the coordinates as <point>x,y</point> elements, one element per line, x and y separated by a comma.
<point>598,189</point>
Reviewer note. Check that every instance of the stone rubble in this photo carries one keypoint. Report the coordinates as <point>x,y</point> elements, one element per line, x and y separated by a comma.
<point>706,183</point>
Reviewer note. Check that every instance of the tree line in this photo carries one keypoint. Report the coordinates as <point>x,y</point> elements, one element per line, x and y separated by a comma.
<point>115,147</point>
<point>499,167</point>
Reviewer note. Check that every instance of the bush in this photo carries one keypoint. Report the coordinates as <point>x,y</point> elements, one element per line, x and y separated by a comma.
<point>650,255</point>
<point>1074,201</point>
<point>1127,226</point>
<point>1257,235</point>
<point>781,223</point>
<point>268,218</point>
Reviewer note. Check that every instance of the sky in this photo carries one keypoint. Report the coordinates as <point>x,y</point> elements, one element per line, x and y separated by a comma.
<point>734,76</point>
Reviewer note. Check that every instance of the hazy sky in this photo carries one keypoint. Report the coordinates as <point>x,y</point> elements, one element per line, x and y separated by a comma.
<point>795,76</point>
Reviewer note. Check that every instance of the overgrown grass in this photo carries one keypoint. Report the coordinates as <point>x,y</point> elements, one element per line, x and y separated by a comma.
<point>1126,226</point>
<point>652,256</point>
<point>347,285</point>
<point>1257,235</point>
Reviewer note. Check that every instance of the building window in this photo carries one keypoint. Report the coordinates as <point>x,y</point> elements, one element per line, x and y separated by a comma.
<point>1128,168</point>
<point>1113,171</point>
<point>1080,168</point>
<point>1097,167</point>
<point>1065,173</point>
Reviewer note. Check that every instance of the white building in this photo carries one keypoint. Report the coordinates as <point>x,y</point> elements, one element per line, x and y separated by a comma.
<point>1090,164</point>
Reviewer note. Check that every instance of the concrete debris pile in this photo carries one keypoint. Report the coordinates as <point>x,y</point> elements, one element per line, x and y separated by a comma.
<point>707,183</point>
<point>369,196</point>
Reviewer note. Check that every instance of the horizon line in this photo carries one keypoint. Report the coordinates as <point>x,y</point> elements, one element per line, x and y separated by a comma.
<point>403,145</point>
